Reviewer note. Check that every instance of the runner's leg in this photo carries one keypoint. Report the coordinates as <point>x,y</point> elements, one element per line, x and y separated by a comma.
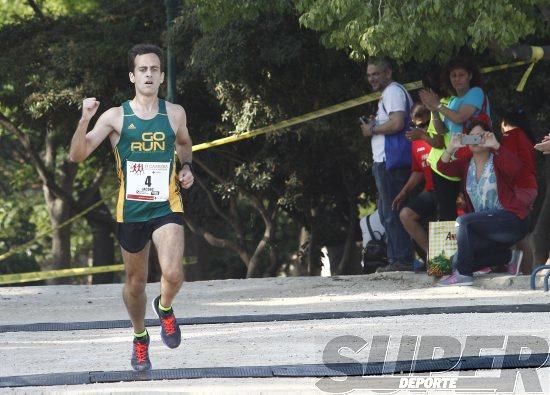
<point>133,292</point>
<point>169,242</point>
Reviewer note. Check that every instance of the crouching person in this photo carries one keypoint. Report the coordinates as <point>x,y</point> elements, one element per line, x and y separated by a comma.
<point>496,207</point>
<point>417,209</point>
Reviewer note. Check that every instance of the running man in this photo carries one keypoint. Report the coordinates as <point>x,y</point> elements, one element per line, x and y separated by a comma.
<point>146,134</point>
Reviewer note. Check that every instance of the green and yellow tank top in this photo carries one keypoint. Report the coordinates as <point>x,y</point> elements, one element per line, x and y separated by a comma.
<point>436,153</point>
<point>146,167</point>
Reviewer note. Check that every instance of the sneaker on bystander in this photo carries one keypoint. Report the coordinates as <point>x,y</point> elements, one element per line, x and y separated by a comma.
<point>515,262</point>
<point>455,279</point>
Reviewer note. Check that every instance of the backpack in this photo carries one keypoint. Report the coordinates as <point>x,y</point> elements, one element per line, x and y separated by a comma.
<point>396,146</point>
<point>374,254</point>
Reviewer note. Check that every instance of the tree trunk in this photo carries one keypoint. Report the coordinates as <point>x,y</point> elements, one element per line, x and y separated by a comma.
<point>102,225</point>
<point>303,247</point>
<point>37,10</point>
<point>314,264</point>
<point>103,253</point>
<point>274,264</point>
<point>313,257</point>
<point>252,269</point>
<point>196,247</point>
<point>335,254</point>
<point>59,212</point>
<point>350,261</point>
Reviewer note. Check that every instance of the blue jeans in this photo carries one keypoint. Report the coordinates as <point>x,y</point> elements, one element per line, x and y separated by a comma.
<point>485,238</point>
<point>389,183</point>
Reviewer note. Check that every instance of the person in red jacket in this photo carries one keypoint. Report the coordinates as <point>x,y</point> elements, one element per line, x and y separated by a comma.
<point>517,136</point>
<point>498,201</point>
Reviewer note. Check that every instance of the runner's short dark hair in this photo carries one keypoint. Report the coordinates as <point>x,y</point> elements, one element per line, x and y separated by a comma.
<point>142,49</point>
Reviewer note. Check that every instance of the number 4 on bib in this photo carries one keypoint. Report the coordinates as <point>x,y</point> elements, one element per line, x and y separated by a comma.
<point>156,185</point>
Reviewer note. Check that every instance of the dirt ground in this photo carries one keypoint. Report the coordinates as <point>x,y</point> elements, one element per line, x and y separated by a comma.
<point>250,344</point>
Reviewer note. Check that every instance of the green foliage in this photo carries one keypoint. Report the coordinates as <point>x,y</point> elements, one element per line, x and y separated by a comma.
<point>75,51</point>
<point>68,7</point>
<point>66,59</point>
<point>17,11</point>
<point>421,30</point>
<point>12,11</point>
<point>241,65</point>
<point>216,14</point>
<point>314,167</point>
<point>16,229</point>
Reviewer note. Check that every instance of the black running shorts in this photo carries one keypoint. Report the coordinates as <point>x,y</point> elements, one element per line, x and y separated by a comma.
<point>134,236</point>
<point>425,205</point>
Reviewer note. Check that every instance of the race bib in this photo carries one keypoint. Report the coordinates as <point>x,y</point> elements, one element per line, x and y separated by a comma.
<point>147,181</point>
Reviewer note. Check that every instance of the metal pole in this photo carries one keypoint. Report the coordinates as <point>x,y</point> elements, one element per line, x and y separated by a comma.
<point>170,6</point>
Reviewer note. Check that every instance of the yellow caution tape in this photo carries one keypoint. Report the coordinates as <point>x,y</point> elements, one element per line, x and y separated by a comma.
<point>37,276</point>
<point>490,69</point>
<point>79,271</point>
<point>537,53</point>
<point>300,119</point>
<point>327,111</point>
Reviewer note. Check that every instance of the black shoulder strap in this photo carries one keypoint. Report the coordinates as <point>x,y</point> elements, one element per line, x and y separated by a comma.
<point>370,228</point>
<point>371,232</point>
<point>408,112</point>
<point>406,98</point>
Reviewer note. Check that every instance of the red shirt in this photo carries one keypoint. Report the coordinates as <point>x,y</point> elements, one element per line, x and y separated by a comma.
<point>420,151</point>
<point>508,169</point>
<point>517,141</point>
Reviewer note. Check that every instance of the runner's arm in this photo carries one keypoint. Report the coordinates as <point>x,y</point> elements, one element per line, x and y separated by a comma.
<point>184,145</point>
<point>184,149</point>
<point>82,143</point>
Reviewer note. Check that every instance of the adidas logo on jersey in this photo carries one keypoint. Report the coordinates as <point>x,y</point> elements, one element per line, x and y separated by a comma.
<point>132,126</point>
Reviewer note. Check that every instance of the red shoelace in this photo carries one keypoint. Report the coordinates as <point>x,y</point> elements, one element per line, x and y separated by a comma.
<point>141,351</point>
<point>169,324</point>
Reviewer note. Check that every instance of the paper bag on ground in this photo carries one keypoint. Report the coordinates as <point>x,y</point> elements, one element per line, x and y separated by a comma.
<point>442,245</point>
